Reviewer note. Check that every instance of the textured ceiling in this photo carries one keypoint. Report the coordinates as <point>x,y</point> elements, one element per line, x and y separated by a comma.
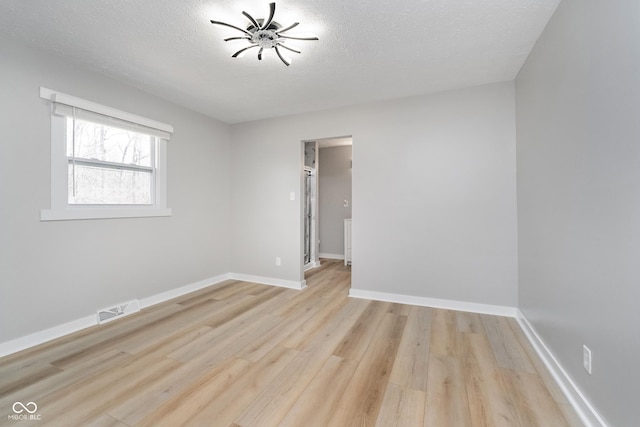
<point>368,50</point>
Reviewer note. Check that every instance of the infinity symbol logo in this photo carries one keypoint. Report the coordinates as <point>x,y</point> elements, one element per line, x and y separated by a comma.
<point>30,407</point>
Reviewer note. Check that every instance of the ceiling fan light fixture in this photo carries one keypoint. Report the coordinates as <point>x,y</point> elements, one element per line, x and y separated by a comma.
<point>266,34</point>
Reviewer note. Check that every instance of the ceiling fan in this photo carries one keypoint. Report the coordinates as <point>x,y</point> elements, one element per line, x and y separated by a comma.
<point>265,34</point>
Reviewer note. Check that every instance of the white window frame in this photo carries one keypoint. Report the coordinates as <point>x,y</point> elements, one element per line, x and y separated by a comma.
<point>61,209</point>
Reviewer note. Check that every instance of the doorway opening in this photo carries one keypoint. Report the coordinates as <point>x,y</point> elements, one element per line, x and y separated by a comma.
<point>326,201</point>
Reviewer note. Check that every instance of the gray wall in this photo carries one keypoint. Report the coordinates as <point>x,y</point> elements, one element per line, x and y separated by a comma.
<point>578,99</point>
<point>334,187</point>
<point>55,272</point>
<point>442,225</point>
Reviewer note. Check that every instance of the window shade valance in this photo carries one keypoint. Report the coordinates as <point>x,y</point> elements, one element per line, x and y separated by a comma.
<point>70,106</point>
<point>90,116</point>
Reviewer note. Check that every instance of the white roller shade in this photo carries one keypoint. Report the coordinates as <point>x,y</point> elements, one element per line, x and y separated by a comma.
<point>64,105</point>
<point>90,116</point>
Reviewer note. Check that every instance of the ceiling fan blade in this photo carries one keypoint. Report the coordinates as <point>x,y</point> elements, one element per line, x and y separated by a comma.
<point>253,21</point>
<point>289,48</point>
<point>286,61</point>
<point>272,11</point>
<point>260,54</point>
<point>297,38</point>
<point>242,51</point>
<point>295,24</point>
<point>231,26</point>
<point>237,38</point>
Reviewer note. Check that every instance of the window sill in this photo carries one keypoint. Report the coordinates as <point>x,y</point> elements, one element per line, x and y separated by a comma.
<point>101,213</point>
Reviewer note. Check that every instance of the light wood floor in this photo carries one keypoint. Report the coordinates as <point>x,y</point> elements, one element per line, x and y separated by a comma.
<point>243,354</point>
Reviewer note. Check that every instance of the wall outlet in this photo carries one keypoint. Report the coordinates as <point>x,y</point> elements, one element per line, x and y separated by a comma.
<point>586,359</point>
<point>278,261</point>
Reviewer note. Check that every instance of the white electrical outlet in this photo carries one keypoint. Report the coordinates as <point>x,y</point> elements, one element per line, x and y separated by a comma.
<point>586,359</point>
<point>278,261</point>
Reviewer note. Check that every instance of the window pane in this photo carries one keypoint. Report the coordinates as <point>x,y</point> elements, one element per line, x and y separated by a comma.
<point>107,143</point>
<point>102,186</point>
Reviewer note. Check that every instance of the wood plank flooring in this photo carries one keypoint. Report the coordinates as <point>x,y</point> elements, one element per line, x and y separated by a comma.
<point>244,354</point>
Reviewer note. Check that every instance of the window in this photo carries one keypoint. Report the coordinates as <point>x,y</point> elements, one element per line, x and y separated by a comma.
<point>108,165</point>
<point>105,163</point>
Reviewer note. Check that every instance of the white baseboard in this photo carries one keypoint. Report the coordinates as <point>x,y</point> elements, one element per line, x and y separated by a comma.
<point>574,395</point>
<point>312,265</point>
<point>174,293</point>
<point>291,284</point>
<point>40,337</point>
<point>31,340</point>
<point>576,398</point>
<point>332,256</point>
<point>37,338</point>
<point>497,310</point>
<point>587,413</point>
